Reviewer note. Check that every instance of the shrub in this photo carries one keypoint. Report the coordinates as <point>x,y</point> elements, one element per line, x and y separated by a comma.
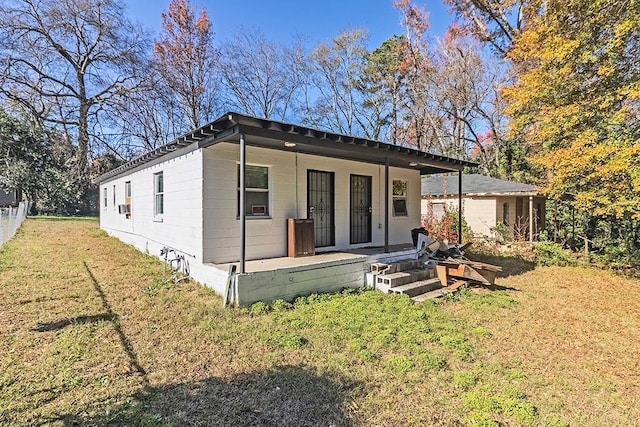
<point>549,253</point>
<point>281,305</point>
<point>445,226</point>
<point>259,308</point>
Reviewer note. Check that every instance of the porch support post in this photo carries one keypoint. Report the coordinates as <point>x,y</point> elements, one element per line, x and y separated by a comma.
<point>386,206</point>
<point>460,207</point>
<point>531,218</point>
<point>243,231</point>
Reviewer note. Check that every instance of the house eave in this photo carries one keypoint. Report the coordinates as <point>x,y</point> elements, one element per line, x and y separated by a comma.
<point>492,194</point>
<point>273,135</point>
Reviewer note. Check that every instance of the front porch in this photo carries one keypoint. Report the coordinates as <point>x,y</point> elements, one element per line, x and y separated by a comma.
<point>286,278</point>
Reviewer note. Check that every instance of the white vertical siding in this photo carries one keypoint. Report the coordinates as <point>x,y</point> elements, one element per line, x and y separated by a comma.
<point>181,224</point>
<point>480,213</point>
<point>267,237</point>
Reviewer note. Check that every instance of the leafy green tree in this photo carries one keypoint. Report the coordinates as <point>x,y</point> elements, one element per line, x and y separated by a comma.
<point>24,156</point>
<point>384,81</point>
<point>576,99</point>
<point>38,162</point>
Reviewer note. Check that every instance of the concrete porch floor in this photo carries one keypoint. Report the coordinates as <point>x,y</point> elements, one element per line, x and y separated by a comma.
<point>329,258</point>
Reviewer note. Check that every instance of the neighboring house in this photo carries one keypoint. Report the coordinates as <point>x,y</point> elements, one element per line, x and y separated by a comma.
<point>489,205</point>
<point>9,197</point>
<point>187,196</point>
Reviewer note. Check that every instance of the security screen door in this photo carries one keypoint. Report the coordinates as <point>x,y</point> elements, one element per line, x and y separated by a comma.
<point>360,209</point>
<point>320,206</point>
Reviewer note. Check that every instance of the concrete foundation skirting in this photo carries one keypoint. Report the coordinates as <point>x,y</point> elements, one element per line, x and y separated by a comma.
<point>279,280</point>
<point>288,283</point>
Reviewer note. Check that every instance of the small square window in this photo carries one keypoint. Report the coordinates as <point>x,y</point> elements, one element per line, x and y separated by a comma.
<point>400,197</point>
<point>256,185</point>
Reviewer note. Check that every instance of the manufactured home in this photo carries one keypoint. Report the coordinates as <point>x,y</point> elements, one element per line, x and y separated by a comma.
<point>296,210</point>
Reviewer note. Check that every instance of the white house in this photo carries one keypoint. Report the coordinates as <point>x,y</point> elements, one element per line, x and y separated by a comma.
<point>489,204</point>
<point>187,196</point>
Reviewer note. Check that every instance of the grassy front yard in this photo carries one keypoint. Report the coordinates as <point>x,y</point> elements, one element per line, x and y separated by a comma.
<point>91,335</point>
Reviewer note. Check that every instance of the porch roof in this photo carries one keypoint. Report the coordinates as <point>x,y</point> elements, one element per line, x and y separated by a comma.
<point>295,138</point>
<point>476,185</point>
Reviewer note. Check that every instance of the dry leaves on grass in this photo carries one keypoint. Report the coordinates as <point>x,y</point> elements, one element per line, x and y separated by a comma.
<point>83,340</point>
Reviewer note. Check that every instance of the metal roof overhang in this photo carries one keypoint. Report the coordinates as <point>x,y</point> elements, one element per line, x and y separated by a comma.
<point>273,135</point>
<point>490,194</point>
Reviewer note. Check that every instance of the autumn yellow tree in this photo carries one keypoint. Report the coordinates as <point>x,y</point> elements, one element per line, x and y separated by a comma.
<point>576,99</point>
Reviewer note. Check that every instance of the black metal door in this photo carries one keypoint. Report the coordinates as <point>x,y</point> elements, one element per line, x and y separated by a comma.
<point>360,209</point>
<point>320,206</point>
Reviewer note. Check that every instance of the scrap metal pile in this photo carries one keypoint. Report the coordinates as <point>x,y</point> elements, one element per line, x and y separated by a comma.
<point>452,268</point>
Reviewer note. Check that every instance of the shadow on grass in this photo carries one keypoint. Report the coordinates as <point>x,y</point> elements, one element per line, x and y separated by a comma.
<point>124,341</point>
<point>286,396</point>
<point>54,326</point>
<point>63,218</point>
<point>511,265</point>
<point>44,299</point>
<point>495,287</point>
<point>107,315</point>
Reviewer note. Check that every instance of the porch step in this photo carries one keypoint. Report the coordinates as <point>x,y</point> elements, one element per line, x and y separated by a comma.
<point>438,293</point>
<point>403,277</point>
<point>395,267</point>
<point>417,288</point>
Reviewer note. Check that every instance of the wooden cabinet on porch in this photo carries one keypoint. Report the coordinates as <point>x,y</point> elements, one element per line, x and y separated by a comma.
<point>300,237</point>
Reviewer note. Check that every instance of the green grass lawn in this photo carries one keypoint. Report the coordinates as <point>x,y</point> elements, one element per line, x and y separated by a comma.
<point>91,335</point>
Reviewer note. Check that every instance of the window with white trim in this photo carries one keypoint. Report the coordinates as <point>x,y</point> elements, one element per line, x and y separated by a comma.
<point>256,183</point>
<point>158,194</point>
<point>127,198</point>
<point>104,192</point>
<point>400,197</point>
<point>114,197</point>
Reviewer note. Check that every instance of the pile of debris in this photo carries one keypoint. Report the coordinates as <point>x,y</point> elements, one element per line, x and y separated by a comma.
<point>452,268</point>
